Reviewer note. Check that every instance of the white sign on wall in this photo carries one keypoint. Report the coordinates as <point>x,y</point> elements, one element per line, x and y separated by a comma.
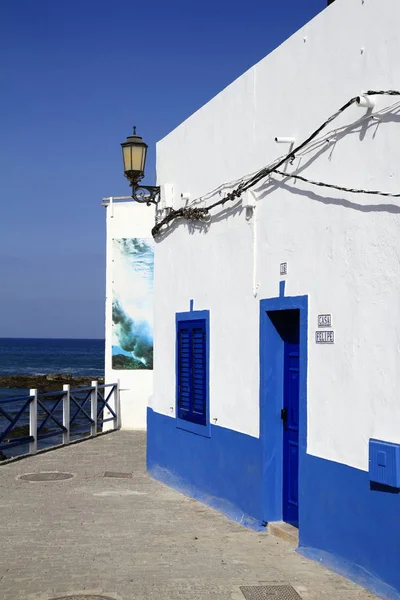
<point>283,268</point>
<point>324,337</point>
<point>324,320</point>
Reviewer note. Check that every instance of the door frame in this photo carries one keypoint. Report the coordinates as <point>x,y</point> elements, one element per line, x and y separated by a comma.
<point>271,402</point>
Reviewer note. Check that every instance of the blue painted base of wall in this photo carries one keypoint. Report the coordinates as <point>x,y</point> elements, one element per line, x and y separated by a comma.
<point>223,471</point>
<point>352,572</point>
<point>345,524</point>
<point>350,527</point>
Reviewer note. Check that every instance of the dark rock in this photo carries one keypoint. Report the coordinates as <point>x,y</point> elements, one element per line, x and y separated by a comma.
<point>45,383</point>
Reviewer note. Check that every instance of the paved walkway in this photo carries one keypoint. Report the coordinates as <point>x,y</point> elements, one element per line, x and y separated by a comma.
<point>134,538</point>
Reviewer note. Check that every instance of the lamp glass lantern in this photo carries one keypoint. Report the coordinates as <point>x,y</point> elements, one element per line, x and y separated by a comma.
<point>134,151</point>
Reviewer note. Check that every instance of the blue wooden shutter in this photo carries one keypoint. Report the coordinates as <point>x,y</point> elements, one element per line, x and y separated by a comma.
<point>192,371</point>
<point>184,375</point>
<point>199,373</point>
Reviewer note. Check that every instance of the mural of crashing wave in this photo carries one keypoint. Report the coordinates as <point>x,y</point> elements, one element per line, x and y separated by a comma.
<point>132,305</point>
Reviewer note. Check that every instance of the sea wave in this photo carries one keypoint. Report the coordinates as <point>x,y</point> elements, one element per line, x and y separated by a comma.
<point>44,357</point>
<point>83,371</point>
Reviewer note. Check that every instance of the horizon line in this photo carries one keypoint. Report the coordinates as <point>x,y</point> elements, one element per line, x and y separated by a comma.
<point>51,338</point>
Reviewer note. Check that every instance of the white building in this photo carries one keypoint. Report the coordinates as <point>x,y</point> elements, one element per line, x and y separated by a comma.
<point>288,299</point>
<point>129,306</point>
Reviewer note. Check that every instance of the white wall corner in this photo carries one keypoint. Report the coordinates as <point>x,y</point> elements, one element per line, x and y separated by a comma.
<point>167,196</point>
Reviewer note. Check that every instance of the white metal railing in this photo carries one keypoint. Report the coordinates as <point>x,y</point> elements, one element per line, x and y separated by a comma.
<point>67,414</point>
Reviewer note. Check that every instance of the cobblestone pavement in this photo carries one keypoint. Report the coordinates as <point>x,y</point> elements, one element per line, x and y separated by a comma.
<point>133,538</point>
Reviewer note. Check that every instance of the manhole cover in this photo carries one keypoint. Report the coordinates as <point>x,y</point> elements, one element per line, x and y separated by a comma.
<point>269,592</point>
<point>118,474</point>
<point>83,597</point>
<point>46,476</point>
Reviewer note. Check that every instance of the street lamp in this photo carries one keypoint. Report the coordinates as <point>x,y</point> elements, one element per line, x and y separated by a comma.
<point>134,151</point>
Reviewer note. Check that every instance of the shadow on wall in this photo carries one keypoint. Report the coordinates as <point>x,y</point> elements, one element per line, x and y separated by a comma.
<point>201,226</point>
<point>390,208</point>
<point>328,143</point>
<point>318,148</point>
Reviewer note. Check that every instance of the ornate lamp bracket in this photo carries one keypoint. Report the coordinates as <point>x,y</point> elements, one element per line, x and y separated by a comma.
<point>146,194</point>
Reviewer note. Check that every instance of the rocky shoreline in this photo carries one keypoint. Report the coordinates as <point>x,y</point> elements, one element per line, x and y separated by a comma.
<point>46,383</point>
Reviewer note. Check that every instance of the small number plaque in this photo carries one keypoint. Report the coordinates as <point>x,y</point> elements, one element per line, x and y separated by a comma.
<point>283,269</point>
<point>324,321</point>
<point>324,337</point>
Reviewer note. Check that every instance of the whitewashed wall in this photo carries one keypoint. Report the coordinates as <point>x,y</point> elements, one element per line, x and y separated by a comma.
<point>126,219</point>
<point>342,250</point>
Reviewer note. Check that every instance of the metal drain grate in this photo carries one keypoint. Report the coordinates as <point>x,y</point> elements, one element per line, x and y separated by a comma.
<point>117,474</point>
<point>45,476</point>
<point>83,597</point>
<point>269,592</point>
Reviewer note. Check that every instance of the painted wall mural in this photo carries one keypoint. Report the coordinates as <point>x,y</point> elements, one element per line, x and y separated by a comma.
<point>132,303</point>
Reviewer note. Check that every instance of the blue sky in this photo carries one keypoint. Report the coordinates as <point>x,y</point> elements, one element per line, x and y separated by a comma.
<point>75,75</point>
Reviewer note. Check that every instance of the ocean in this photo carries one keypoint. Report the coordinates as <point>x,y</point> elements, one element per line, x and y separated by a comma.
<point>40,357</point>
<point>43,356</point>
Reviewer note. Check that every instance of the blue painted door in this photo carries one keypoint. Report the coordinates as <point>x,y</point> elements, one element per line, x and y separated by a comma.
<point>290,418</point>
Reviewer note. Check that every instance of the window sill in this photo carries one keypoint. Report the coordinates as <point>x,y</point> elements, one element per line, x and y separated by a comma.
<point>203,430</point>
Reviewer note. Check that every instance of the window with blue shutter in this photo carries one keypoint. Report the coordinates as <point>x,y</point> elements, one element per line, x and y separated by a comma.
<point>192,371</point>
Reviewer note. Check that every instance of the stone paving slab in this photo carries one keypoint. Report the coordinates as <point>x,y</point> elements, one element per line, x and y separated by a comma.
<point>133,538</point>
